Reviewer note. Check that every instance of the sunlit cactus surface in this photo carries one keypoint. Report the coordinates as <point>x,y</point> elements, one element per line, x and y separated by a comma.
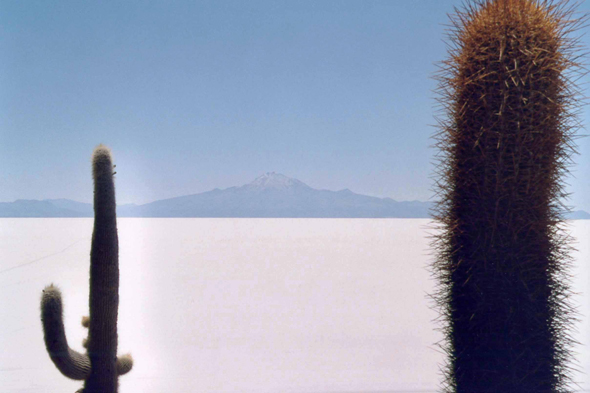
<point>509,108</point>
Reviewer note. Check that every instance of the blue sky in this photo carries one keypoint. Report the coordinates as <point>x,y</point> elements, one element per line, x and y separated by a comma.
<point>194,95</point>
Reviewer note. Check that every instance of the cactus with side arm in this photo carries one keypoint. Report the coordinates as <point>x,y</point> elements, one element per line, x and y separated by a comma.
<point>506,142</point>
<point>99,367</point>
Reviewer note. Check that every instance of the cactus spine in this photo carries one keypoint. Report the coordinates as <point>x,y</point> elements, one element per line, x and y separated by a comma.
<point>506,139</point>
<point>99,367</point>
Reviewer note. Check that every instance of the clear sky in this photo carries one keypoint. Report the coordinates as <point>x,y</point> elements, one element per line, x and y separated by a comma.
<point>196,95</point>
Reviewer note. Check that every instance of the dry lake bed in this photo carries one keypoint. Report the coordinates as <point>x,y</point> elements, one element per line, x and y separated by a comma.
<point>244,305</point>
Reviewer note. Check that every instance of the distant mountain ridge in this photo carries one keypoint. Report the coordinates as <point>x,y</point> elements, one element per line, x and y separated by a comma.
<point>271,195</point>
<point>276,195</point>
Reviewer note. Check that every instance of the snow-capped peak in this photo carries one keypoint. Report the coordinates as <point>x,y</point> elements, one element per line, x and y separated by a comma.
<point>276,180</point>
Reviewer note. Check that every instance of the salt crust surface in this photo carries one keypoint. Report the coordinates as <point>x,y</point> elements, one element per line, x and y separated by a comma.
<point>243,305</point>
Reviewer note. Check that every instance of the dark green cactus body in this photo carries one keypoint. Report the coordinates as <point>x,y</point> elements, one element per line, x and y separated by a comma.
<point>502,258</point>
<point>104,279</point>
<point>100,367</point>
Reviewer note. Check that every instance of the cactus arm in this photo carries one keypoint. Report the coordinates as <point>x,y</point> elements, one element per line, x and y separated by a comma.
<point>70,363</point>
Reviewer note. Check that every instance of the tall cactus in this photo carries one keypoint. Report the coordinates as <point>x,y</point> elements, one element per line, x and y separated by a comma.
<point>99,367</point>
<point>510,103</point>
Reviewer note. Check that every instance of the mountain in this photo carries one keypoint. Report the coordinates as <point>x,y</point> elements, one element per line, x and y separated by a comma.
<point>276,195</point>
<point>270,195</point>
<point>83,209</point>
<point>34,208</point>
<point>47,208</point>
<point>578,215</point>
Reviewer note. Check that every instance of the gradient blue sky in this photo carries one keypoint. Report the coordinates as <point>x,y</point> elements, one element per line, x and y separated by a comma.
<point>194,95</point>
